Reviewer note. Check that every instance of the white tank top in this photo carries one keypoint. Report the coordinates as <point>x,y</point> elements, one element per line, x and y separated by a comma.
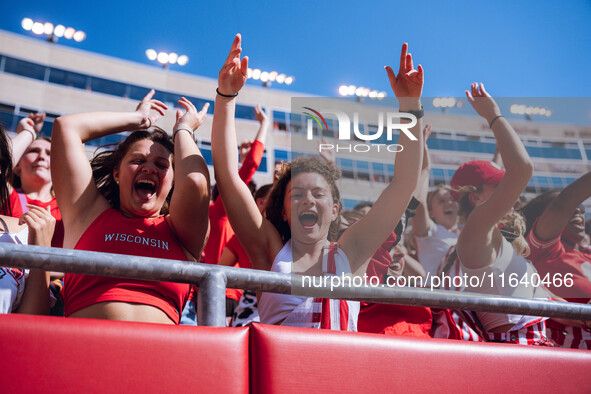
<point>298,311</point>
<point>507,263</point>
<point>12,280</point>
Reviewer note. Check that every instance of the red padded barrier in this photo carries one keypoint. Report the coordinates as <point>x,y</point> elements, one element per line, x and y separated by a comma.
<point>68,355</point>
<point>291,360</point>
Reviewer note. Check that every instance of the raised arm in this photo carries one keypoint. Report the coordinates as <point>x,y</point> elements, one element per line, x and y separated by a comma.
<point>41,226</point>
<point>561,209</point>
<point>26,132</point>
<point>251,153</point>
<point>190,199</point>
<point>364,237</point>
<point>421,220</point>
<point>78,197</point>
<point>248,223</point>
<point>475,241</point>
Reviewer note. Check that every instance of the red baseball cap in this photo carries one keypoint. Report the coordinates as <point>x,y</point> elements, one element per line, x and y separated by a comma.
<point>476,173</point>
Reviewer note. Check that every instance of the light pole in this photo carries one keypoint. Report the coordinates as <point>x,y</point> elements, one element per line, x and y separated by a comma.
<point>529,111</point>
<point>444,103</point>
<point>166,58</point>
<point>52,33</point>
<point>360,92</point>
<point>268,77</point>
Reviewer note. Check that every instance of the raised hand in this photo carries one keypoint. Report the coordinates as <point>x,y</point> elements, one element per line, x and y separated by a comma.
<point>191,118</point>
<point>408,82</point>
<point>32,123</point>
<point>244,148</point>
<point>146,105</point>
<point>482,102</point>
<point>328,155</point>
<point>232,76</point>
<point>41,225</point>
<point>260,114</point>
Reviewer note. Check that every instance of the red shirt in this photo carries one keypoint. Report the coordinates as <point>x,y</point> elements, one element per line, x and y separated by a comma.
<point>17,211</point>
<point>556,258</point>
<point>220,228</point>
<point>113,233</point>
<point>391,319</point>
<point>242,261</point>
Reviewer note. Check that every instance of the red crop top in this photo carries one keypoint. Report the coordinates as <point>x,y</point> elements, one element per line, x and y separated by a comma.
<point>113,233</point>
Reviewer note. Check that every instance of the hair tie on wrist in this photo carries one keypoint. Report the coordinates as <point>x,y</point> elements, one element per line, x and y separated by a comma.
<point>183,128</point>
<point>418,113</point>
<point>226,95</point>
<point>494,119</point>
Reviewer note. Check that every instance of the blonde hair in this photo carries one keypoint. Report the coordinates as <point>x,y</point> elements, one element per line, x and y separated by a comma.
<point>513,224</point>
<point>513,229</point>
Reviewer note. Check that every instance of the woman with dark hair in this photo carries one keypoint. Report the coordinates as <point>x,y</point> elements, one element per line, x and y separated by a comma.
<point>124,203</point>
<point>298,232</point>
<point>486,196</point>
<point>22,290</point>
<point>555,230</point>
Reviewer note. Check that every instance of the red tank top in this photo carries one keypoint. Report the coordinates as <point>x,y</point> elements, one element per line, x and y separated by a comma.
<point>17,211</point>
<point>113,233</point>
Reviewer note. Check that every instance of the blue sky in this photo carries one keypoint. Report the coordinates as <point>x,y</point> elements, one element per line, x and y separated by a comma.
<point>519,49</point>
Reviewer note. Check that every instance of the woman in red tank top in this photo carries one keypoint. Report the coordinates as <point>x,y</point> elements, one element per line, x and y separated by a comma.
<point>134,209</point>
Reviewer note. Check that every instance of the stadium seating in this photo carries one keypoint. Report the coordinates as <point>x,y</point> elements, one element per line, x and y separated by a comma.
<point>82,355</point>
<point>43,354</point>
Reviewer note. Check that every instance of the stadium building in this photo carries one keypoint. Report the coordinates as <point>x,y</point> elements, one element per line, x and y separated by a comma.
<point>36,75</point>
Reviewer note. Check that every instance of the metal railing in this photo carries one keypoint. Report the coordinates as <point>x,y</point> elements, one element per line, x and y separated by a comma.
<point>213,280</point>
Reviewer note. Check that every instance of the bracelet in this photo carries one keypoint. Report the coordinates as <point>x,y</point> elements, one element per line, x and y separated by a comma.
<point>32,133</point>
<point>494,119</point>
<point>417,113</point>
<point>183,128</point>
<point>226,95</point>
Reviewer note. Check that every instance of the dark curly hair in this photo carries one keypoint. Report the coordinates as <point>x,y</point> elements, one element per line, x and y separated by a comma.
<point>106,161</point>
<point>6,173</point>
<point>536,207</point>
<point>275,208</point>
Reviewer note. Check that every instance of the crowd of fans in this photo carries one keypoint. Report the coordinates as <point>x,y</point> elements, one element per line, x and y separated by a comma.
<point>150,196</point>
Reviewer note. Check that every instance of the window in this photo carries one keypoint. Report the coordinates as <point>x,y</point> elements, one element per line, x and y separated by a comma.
<point>378,172</point>
<point>24,68</point>
<point>346,166</point>
<point>280,121</point>
<point>108,87</point>
<point>362,170</point>
<point>245,112</point>
<point>67,78</point>
<point>282,155</point>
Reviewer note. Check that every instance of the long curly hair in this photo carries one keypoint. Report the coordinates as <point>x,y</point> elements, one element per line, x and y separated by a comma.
<point>6,172</point>
<point>275,210</point>
<point>104,162</point>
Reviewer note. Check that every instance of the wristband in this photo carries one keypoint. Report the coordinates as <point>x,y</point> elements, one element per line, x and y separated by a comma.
<point>226,95</point>
<point>417,113</point>
<point>494,119</point>
<point>183,128</point>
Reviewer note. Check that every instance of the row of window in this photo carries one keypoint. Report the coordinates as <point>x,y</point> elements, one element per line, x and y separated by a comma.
<point>101,85</point>
<point>351,169</point>
<point>380,172</point>
<point>296,123</point>
<point>291,122</point>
